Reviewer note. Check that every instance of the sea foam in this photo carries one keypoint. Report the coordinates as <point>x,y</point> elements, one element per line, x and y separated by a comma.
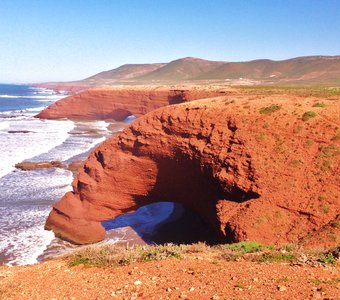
<point>27,138</point>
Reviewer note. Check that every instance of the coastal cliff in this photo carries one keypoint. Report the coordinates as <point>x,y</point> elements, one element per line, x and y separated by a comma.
<point>120,102</point>
<point>254,168</point>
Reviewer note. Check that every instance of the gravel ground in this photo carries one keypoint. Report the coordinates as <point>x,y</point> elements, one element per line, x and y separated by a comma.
<point>191,278</point>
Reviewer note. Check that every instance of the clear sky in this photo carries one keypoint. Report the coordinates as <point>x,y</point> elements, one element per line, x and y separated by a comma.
<point>46,40</point>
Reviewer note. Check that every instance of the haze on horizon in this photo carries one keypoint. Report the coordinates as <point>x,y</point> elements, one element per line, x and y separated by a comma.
<point>47,40</point>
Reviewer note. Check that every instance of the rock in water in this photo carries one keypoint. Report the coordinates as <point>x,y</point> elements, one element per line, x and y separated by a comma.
<point>27,166</point>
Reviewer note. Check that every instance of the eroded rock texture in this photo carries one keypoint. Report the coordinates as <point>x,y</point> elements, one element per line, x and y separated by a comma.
<point>250,175</point>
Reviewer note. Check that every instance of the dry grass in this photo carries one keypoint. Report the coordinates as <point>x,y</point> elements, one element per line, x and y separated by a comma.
<point>113,256</point>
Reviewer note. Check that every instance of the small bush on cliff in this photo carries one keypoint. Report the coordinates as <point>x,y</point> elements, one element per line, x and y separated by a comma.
<point>331,150</point>
<point>160,252</point>
<point>113,256</point>
<point>308,115</point>
<point>106,256</point>
<point>270,109</point>
<point>327,258</point>
<point>275,257</point>
<point>246,247</point>
<point>319,104</point>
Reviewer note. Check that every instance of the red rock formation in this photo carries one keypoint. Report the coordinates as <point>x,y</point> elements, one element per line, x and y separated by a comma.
<point>119,102</point>
<point>269,177</point>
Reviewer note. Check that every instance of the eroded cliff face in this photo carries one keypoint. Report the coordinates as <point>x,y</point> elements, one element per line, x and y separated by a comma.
<point>119,102</point>
<point>252,174</point>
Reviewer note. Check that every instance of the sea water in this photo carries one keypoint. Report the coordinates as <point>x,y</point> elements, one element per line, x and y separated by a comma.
<point>26,197</point>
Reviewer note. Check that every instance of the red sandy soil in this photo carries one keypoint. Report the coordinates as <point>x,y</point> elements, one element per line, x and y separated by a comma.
<point>193,278</point>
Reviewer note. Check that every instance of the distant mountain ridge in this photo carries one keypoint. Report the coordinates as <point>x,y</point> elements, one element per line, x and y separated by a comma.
<point>299,70</point>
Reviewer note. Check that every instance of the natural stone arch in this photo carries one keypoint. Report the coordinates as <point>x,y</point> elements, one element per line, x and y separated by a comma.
<point>165,162</point>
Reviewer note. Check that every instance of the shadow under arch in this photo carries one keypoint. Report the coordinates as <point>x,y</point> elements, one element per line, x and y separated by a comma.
<point>162,222</point>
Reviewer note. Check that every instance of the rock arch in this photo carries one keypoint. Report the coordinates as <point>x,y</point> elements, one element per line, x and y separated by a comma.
<point>168,155</point>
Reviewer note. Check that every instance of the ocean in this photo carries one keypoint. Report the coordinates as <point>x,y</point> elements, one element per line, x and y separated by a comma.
<point>26,197</point>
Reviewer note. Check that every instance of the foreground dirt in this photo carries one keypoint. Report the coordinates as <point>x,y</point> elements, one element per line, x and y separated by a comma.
<point>192,278</point>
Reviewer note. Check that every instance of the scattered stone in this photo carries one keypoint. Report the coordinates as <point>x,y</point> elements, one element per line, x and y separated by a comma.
<point>281,288</point>
<point>137,282</point>
<point>19,131</point>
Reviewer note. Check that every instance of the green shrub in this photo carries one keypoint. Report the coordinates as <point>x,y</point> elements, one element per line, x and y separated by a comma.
<point>270,109</point>
<point>319,104</point>
<point>276,257</point>
<point>116,256</point>
<point>160,252</point>
<point>308,115</point>
<point>327,258</point>
<point>331,150</point>
<point>79,260</point>
<point>296,163</point>
<point>246,247</point>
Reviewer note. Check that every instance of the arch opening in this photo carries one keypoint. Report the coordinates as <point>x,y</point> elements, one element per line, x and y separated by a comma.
<point>129,119</point>
<point>160,223</point>
<point>119,114</point>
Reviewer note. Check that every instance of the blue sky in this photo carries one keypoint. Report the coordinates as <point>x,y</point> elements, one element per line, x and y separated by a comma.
<point>47,40</point>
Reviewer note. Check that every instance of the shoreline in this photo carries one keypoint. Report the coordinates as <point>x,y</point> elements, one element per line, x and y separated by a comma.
<point>84,129</point>
<point>130,237</point>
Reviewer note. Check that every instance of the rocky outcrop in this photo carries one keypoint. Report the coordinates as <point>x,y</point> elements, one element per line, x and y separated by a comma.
<point>119,102</point>
<point>28,166</point>
<point>250,167</point>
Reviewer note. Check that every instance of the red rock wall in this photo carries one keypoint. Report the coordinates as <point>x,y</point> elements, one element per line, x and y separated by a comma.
<point>251,176</point>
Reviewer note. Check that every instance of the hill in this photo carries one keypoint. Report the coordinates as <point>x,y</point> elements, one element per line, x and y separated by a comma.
<point>309,70</point>
<point>187,68</point>
<point>124,72</point>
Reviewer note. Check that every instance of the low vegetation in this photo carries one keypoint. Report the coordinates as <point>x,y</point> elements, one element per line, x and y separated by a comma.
<point>308,115</point>
<point>270,109</point>
<point>118,256</point>
<point>304,91</point>
<point>319,104</point>
<point>113,256</point>
<point>329,151</point>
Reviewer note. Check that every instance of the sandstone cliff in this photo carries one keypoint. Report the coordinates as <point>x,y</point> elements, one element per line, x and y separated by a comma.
<point>253,167</point>
<point>119,102</point>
